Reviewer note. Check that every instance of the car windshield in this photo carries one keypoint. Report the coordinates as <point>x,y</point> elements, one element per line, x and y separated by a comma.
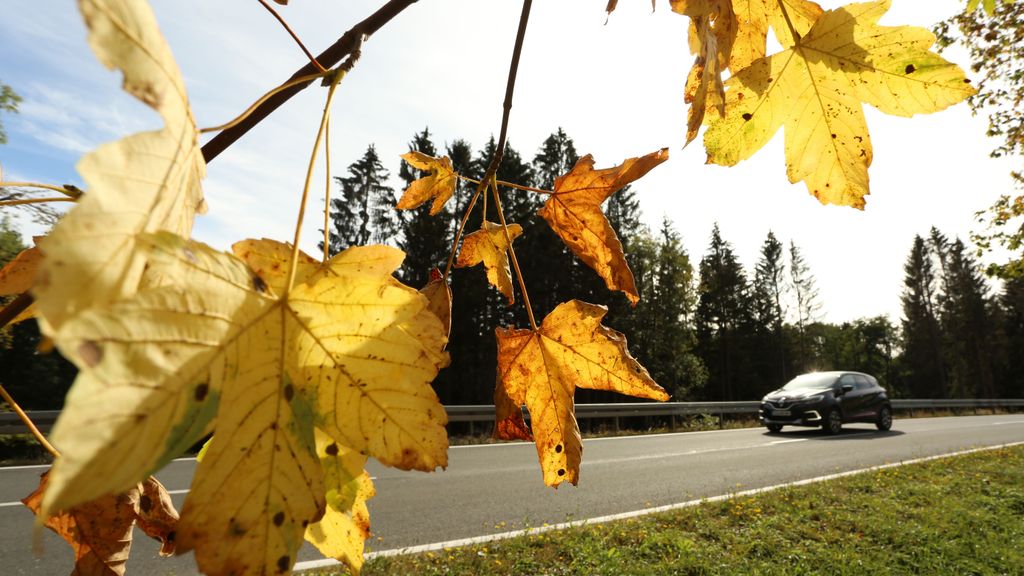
<point>814,381</point>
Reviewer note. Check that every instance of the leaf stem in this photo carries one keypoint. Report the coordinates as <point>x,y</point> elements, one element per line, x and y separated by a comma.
<point>255,105</point>
<point>293,265</point>
<point>293,35</point>
<point>327,192</point>
<point>512,253</point>
<point>28,423</point>
<point>67,189</point>
<point>510,185</point>
<point>329,57</point>
<point>35,201</point>
<point>789,23</point>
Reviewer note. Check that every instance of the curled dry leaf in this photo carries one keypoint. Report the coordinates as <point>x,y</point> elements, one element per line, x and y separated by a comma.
<point>146,182</point>
<point>542,370</point>
<point>18,275</point>
<point>816,88</point>
<point>574,212</point>
<point>439,298</point>
<point>490,246</point>
<point>100,532</point>
<point>439,185</point>
<point>216,348</point>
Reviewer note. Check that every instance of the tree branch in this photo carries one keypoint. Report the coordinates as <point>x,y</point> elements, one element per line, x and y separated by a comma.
<point>328,58</point>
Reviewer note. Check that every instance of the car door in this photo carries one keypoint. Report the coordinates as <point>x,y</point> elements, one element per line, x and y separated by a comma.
<point>850,400</point>
<point>872,398</point>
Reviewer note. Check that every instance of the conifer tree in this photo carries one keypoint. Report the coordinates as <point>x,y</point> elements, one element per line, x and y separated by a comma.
<point>425,239</point>
<point>922,339</point>
<point>769,291</point>
<point>807,306</point>
<point>365,212</point>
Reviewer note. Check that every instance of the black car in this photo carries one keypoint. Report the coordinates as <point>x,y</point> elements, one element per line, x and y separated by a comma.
<point>827,399</point>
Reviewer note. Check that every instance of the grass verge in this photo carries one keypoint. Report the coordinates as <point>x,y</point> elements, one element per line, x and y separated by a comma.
<point>960,515</point>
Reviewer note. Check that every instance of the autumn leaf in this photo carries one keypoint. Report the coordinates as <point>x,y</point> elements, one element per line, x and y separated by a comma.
<point>439,185</point>
<point>143,183</point>
<point>270,260</point>
<point>508,416</point>
<point>574,212</point>
<point>100,532</point>
<point>19,274</point>
<point>439,298</point>
<point>343,530</point>
<point>218,349</point>
<point>543,368</point>
<point>490,246</point>
<point>815,89</point>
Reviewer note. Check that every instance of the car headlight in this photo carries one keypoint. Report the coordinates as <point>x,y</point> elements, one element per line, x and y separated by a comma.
<point>815,398</point>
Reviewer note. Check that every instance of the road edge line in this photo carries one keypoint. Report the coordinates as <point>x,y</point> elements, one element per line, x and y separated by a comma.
<point>328,562</point>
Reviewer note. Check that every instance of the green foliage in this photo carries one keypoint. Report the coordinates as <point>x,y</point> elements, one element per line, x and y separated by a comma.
<point>9,101</point>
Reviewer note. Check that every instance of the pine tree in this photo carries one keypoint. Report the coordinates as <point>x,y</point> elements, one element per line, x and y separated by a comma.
<point>365,212</point>
<point>922,338</point>
<point>807,305</point>
<point>968,324</point>
<point>1011,382</point>
<point>769,291</point>
<point>722,321</point>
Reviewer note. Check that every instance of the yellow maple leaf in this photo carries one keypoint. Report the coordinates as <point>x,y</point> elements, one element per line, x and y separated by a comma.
<point>343,530</point>
<point>270,259</point>
<point>815,89</point>
<point>352,350</point>
<point>146,182</point>
<point>439,185</point>
<point>543,368</point>
<point>574,212</point>
<point>490,246</point>
<point>100,532</point>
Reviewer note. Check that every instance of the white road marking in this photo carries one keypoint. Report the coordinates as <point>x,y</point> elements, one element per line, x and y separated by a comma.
<point>6,504</point>
<point>788,441</point>
<point>1007,422</point>
<point>312,564</point>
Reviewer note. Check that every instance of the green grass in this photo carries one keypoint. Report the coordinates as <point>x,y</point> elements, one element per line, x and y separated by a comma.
<point>961,515</point>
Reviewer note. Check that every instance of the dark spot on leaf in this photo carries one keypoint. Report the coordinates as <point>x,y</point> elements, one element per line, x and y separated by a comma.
<point>967,80</point>
<point>201,392</point>
<point>259,285</point>
<point>305,523</point>
<point>910,68</point>
<point>558,449</point>
<point>171,536</point>
<point>146,504</point>
<point>283,563</point>
<point>90,352</point>
<point>332,449</point>
<point>833,136</point>
<point>747,115</point>
<point>278,518</point>
<point>561,471</point>
<point>289,392</point>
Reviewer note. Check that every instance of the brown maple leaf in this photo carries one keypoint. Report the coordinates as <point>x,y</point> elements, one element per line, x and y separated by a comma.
<point>542,370</point>
<point>574,212</point>
<point>100,532</point>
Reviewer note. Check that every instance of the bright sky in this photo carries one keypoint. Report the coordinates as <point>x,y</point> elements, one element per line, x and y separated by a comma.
<point>616,89</point>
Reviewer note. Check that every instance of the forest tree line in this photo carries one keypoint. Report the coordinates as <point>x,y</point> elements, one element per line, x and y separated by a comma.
<point>706,330</point>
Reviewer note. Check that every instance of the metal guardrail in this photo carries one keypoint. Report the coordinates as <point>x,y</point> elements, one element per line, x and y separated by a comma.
<point>44,419</point>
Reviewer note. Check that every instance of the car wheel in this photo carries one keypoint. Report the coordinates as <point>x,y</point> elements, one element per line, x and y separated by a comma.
<point>884,420</point>
<point>774,428</point>
<point>833,422</point>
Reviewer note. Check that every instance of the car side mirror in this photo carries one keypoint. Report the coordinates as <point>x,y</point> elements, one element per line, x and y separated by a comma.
<point>846,388</point>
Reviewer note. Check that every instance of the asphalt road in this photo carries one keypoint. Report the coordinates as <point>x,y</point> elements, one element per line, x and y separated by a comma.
<point>497,488</point>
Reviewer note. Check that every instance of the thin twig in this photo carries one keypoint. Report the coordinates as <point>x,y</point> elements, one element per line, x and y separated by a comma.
<point>512,253</point>
<point>67,189</point>
<point>462,226</point>
<point>328,58</point>
<point>28,423</point>
<point>293,35</point>
<point>34,201</point>
<point>293,266</point>
<point>252,108</point>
